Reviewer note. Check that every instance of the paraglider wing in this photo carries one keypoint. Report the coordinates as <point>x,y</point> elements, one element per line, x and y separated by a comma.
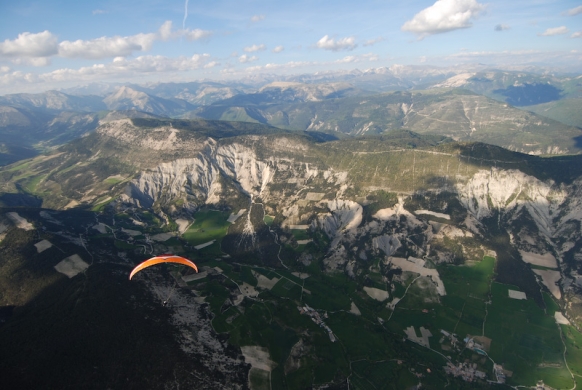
<point>163,259</point>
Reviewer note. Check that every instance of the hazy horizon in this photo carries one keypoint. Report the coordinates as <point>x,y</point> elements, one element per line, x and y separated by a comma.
<point>59,44</point>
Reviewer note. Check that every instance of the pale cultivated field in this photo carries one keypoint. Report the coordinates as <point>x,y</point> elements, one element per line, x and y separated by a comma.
<point>423,339</point>
<point>410,266</point>
<point>183,225</point>
<point>392,304</point>
<point>100,227</point>
<point>248,290</point>
<point>427,212</point>
<point>516,294</point>
<point>42,246</point>
<point>72,266</point>
<point>545,260</point>
<point>304,242</point>
<point>264,282</point>
<point>19,221</point>
<point>162,237</point>
<point>196,276</point>
<point>550,280</point>
<point>298,227</point>
<point>560,319</point>
<point>205,244</point>
<point>300,275</point>
<point>376,293</point>
<point>354,310</point>
<point>131,232</point>
<point>258,357</point>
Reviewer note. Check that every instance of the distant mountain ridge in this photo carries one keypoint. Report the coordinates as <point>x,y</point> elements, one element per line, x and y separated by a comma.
<point>458,114</point>
<point>339,103</point>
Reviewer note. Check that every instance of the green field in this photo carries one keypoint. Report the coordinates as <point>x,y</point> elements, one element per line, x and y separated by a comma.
<point>381,375</point>
<point>461,311</point>
<point>300,234</point>
<point>526,339</point>
<point>573,340</point>
<point>208,225</point>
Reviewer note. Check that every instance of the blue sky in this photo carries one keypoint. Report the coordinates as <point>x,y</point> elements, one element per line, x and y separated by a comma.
<point>56,44</point>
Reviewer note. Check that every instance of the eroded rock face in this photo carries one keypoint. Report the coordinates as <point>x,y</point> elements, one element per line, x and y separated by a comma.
<point>387,244</point>
<point>194,180</point>
<point>554,209</point>
<point>344,218</point>
<point>197,180</point>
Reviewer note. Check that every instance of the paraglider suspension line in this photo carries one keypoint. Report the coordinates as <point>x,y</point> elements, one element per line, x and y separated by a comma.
<point>171,293</point>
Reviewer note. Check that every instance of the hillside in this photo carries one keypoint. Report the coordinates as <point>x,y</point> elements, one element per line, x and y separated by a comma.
<point>566,111</point>
<point>300,243</point>
<point>458,114</point>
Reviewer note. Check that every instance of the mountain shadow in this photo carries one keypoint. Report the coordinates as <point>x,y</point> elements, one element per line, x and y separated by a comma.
<point>530,94</point>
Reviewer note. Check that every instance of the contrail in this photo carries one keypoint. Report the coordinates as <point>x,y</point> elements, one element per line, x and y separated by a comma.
<point>185,15</point>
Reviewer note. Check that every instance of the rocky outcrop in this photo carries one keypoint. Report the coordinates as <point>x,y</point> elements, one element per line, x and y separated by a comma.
<point>196,181</point>
<point>343,219</point>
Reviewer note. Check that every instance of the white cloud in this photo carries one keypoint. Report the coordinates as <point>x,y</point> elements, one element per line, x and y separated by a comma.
<point>372,42</point>
<point>165,30</point>
<point>105,47</point>
<point>196,34</point>
<point>118,68</point>
<point>278,49</point>
<point>165,33</point>
<point>347,60</point>
<point>30,45</point>
<point>328,43</point>
<point>254,48</point>
<point>4,69</point>
<point>555,31</point>
<point>574,11</point>
<point>502,27</point>
<point>35,49</point>
<point>116,46</point>
<point>358,58</point>
<point>577,34</point>
<point>99,12</point>
<point>32,61</point>
<point>257,18</point>
<point>211,65</point>
<point>443,16</point>
<point>246,59</point>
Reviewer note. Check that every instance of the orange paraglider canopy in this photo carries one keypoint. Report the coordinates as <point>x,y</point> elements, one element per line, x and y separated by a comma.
<point>163,259</point>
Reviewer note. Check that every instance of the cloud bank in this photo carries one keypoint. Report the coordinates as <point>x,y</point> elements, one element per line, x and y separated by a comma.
<point>37,48</point>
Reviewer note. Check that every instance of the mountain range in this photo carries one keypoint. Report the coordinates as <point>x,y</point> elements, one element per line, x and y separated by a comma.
<point>327,219</point>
